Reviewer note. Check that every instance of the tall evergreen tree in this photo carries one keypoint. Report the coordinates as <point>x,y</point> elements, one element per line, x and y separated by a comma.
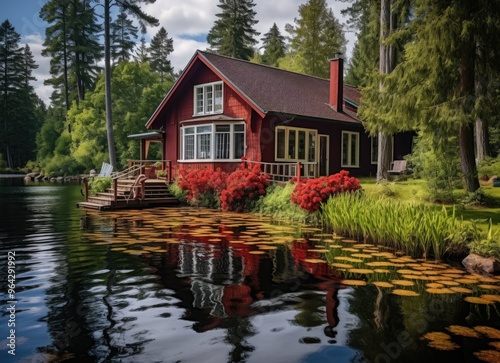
<point>142,52</point>
<point>20,111</point>
<point>274,46</point>
<point>123,35</point>
<point>316,37</point>
<point>159,51</point>
<point>363,17</point>
<point>71,40</point>
<point>131,7</point>
<point>233,32</point>
<point>437,96</point>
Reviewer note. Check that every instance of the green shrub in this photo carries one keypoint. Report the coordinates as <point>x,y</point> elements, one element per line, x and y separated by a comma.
<point>488,246</point>
<point>277,204</point>
<point>489,167</point>
<point>99,184</point>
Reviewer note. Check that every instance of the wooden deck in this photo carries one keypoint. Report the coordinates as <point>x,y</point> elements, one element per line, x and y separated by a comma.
<point>156,194</point>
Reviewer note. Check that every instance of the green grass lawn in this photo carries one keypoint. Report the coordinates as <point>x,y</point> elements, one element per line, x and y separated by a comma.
<point>414,190</point>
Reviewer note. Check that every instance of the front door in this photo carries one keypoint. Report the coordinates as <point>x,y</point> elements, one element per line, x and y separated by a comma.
<point>324,141</point>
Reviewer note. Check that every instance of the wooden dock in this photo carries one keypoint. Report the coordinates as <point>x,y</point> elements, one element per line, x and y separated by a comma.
<point>156,194</point>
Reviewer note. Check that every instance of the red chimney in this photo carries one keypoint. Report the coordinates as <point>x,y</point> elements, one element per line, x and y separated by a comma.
<point>336,83</point>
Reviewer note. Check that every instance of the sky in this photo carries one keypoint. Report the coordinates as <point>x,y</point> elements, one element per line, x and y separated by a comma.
<point>187,22</point>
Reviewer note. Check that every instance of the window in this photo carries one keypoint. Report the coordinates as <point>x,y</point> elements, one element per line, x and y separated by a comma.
<point>295,144</point>
<point>350,149</point>
<point>213,142</point>
<point>208,98</point>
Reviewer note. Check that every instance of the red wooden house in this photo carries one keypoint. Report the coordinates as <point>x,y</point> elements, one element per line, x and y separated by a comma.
<point>222,109</point>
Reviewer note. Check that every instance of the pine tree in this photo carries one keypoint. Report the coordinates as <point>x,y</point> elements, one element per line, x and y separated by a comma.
<point>233,33</point>
<point>160,49</point>
<point>316,37</point>
<point>123,33</point>
<point>20,115</point>
<point>274,46</point>
<point>142,52</point>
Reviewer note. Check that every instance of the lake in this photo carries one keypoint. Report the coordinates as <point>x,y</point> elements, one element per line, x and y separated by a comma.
<point>195,285</point>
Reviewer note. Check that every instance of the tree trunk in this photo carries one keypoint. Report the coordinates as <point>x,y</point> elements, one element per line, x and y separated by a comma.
<point>386,66</point>
<point>465,132</point>
<point>107,85</point>
<point>482,136</point>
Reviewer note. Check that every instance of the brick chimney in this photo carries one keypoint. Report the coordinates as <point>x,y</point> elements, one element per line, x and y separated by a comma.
<point>336,82</point>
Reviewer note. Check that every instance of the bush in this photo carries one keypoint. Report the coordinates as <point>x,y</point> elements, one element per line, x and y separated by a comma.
<point>99,184</point>
<point>203,187</point>
<point>277,203</point>
<point>489,167</point>
<point>244,187</point>
<point>311,194</point>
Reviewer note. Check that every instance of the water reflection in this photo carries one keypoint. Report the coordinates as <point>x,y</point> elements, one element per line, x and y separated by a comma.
<point>189,285</point>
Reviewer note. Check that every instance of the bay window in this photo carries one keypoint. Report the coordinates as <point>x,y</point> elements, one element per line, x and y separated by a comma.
<point>213,142</point>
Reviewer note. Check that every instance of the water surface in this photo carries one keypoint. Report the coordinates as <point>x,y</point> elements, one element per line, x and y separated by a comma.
<point>194,285</point>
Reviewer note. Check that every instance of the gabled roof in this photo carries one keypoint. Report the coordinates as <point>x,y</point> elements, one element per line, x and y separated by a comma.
<point>273,90</point>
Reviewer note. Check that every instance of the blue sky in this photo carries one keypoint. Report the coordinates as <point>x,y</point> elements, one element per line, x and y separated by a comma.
<point>186,21</point>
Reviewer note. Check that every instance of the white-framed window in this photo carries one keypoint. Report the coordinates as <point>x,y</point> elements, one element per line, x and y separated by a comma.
<point>209,142</point>
<point>295,144</point>
<point>350,149</point>
<point>208,98</point>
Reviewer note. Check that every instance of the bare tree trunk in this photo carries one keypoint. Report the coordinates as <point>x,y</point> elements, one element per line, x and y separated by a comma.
<point>386,66</point>
<point>107,85</point>
<point>465,132</point>
<point>482,136</point>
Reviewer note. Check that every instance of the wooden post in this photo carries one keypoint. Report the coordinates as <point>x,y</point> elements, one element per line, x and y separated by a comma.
<point>169,171</point>
<point>86,188</point>
<point>115,189</point>
<point>298,172</point>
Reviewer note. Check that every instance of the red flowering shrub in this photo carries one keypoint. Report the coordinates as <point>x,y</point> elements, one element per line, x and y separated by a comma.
<point>203,187</point>
<point>244,187</point>
<point>313,192</point>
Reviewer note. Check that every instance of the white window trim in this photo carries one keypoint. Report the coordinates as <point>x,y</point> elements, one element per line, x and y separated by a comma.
<point>212,143</point>
<point>287,133</point>
<point>204,87</point>
<point>350,133</point>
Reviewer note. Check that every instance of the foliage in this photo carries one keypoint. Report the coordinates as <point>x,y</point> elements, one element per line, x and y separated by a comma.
<point>99,184</point>
<point>488,246</point>
<point>21,111</point>
<point>244,187</point>
<point>160,49</point>
<point>416,229</point>
<point>123,33</point>
<point>277,204</point>
<point>437,163</point>
<point>316,37</point>
<point>489,167</point>
<point>311,194</point>
<point>233,33</point>
<point>274,46</point>
<point>178,192</point>
<point>61,165</point>
<point>203,187</point>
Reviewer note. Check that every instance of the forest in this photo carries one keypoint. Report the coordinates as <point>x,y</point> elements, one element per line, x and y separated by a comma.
<point>429,66</point>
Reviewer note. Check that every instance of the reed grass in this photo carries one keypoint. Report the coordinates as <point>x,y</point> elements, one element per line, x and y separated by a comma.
<point>416,229</point>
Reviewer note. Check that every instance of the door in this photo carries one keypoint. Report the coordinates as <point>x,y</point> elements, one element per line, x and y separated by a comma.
<point>324,147</point>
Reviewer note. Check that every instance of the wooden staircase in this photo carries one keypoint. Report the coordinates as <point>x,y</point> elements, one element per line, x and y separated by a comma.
<point>156,194</point>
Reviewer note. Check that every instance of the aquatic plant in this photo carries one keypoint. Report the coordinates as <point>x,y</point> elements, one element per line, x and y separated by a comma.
<point>416,229</point>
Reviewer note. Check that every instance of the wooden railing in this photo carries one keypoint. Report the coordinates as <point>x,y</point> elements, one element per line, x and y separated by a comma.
<point>287,171</point>
<point>133,170</point>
